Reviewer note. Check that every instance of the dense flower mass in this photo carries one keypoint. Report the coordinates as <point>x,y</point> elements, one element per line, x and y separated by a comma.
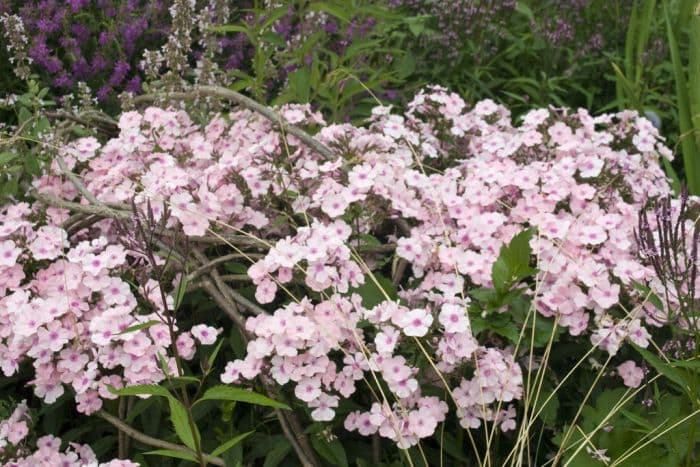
<point>464,180</point>
<point>15,451</point>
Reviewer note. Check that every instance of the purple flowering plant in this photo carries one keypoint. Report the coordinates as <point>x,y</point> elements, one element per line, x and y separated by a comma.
<point>98,42</point>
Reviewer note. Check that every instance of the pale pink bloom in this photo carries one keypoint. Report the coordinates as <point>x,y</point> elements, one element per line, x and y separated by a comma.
<point>206,335</point>
<point>386,340</point>
<point>560,133</point>
<point>454,318</point>
<point>9,253</point>
<point>323,407</point>
<point>631,374</point>
<point>591,167</point>
<point>308,389</point>
<point>416,322</point>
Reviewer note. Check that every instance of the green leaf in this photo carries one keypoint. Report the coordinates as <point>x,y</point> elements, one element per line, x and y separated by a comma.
<point>368,240</point>
<point>406,66</point>
<point>273,38</point>
<point>513,262</point>
<point>522,8</point>
<point>277,454</point>
<point>372,294</point>
<point>229,393</point>
<point>634,418</point>
<point>6,157</point>
<point>184,379</point>
<point>212,357</point>
<point>690,364</point>
<point>171,453</point>
<point>331,451</point>
<point>673,175</point>
<point>547,411</point>
<point>163,364</point>
<point>691,152</point>
<point>139,408</point>
<point>484,295</point>
<point>301,83</point>
<point>662,367</point>
<point>649,295</point>
<point>141,390</point>
<point>24,115</point>
<point>417,24</point>
<point>141,326</point>
<point>229,28</point>
<point>180,419</point>
<point>31,164</point>
<point>41,126</point>
<point>340,12</point>
<point>454,447</point>
<point>180,292</point>
<point>230,443</point>
<point>236,268</point>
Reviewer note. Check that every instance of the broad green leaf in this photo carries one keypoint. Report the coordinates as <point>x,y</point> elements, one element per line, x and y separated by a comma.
<point>141,390</point>
<point>301,83</point>
<point>406,66</point>
<point>141,326</point>
<point>277,454</point>
<point>274,39</point>
<point>230,443</point>
<point>180,419</point>
<point>229,393</point>
<point>331,451</point>
<point>171,453</point>
<point>547,411</point>
<point>372,294</point>
<point>522,8</point>
<point>31,164</point>
<point>368,240</point>
<point>417,24</point>
<point>453,446</point>
<point>6,157</point>
<point>139,408</point>
<point>24,115</point>
<point>484,294</point>
<point>513,262</point>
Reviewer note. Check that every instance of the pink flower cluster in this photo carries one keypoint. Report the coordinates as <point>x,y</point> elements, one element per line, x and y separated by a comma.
<point>322,247</point>
<point>580,180</point>
<point>14,429</point>
<point>15,453</point>
<point>65,308</point>
<point>461,180</point>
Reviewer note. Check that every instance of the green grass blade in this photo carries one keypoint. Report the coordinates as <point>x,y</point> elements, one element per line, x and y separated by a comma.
<point>691,158</point>
<point>694,76</point>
